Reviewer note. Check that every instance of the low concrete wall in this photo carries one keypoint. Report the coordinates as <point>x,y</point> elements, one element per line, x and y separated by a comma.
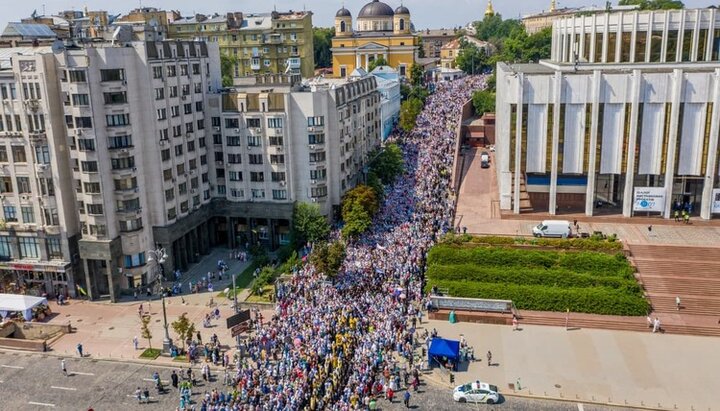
<point>39,331</point>
<point>473,317</point>
<point>259,306</point>
<point>30,336</point>
<point>29,345</point>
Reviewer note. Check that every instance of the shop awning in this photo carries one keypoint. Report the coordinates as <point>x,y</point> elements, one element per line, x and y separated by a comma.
<point>22,303</point>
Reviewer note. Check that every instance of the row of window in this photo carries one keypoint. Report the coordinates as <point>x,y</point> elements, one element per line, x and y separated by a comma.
<point>173,91</point>
<point>171,70</point>
<point>35,122</point>
<point>28,215</point>
<point>272,122</point>
<point>29,247</point>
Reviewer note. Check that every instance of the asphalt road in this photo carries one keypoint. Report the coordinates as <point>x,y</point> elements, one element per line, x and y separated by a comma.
<point>36,382</point>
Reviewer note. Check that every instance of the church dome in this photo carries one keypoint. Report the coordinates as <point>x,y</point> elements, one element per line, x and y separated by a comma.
<point>402,10</point>
<point>343,12</point>
<point>376,8</point>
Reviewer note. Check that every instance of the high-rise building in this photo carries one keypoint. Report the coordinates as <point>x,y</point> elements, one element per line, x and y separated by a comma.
<point>623,119</point>
<point>275,42</point>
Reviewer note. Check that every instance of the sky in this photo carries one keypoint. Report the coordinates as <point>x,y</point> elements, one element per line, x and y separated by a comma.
<point>424,13</point>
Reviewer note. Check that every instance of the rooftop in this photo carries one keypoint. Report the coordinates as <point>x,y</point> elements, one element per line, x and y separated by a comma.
<point>6,54</point>
<point>27,30</point>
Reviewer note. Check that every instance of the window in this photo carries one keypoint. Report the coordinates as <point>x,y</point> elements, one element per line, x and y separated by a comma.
<point>252,122</point>
<point>190,146</point>
<point>253,141</point>
<point>198,88</point>
<point>173,91</point>
<point>171,71</point>
<point>54,247</point>
<point>232,123</point>
<point>165,154</point>
<point>128,205</point>
<point>233,141</point>
<point>118,97</point>
<point>316,121</point>
<point>157,72</point>
<point>187,108</point>
<point>83,122</point>
<point>10,213</point>
<point>203,159</point>
<point>178,150</point>
<point>275,122</point>
<point>77,76</point>
<point>317,157</point>
<point>276,140</point>
<point>199,106</point>
<point>255,158</point>
<point>220,172</point>
<point>277,159</point>
<point>28,214</point>
<point>182,188</point>
<point>316,138</point>
<point>185,89</point>
<point>42,154</point>
<point>177,131</point>
<point>112,75</point>
<point>277,176</point>
<point>134,260</point>
<point>80,100</point>
<point>184,207</point>
<point>126,184</point>
<point>196,68</point>
<point>5,247</point>
<point>98,230</point>
<point>235,176</point>
<point>279,194</point>
<point>91,188</point>
<point>114,120</point>
<point>201,142</point>
<point>180,169</point>
<point>201,124</point>
<point>122,163</point>
<point>163,133</point>
<point>234,158</point>
<point>189,127</point>
<point>172,213</point>
<point>4,154</point>
<point>23,184</point>
<point>215,121</point>
<point>159,93</point>
<point>18,153</point>
<point>258,193</point>
<point>237,193</point>
<point>318,192</point>
<point>86,144</point>
<point>94,209</point>
<point>120,141</point>
<point>89,166</point>
<point>183,70</point>
<point>6,185</point>
<point>28,247</point>
<point>319,174</point>
<point>161,114</point>
<point>131,225</point>
<point>257,176</point>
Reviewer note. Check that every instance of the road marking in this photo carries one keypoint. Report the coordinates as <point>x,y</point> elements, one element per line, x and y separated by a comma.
<point>580,407</point>
<point>82,373</point>
<point>41,403</point>
<point>153,380</point>
<point>17,367</point>
<point>64,388</point>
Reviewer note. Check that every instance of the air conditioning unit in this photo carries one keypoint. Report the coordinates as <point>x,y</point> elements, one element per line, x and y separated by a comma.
<point>314,200</point>
<point>193,191</point>
<point>216,128</point>
<point>279,148</point>
<point>312,147</point>
<point>136,189</point>
<point>134,169</point>
<point>173,179</point>
<point>138,211</point>
<point>282,183</point>
<point>251,199</point>
<point>192,172</point>
<point>237,130</point>
<point>311,128</point>
<point>124,82</point>
<point>79,132</point>
<point>124,151</point>
<point>183,97</point>
<point>162,142</point>
<point>313,181</point>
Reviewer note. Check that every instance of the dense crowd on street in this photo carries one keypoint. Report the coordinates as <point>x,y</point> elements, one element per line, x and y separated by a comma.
<point>344,344</point>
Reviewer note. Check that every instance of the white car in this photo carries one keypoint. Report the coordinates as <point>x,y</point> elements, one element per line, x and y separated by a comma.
<point>476,392</point>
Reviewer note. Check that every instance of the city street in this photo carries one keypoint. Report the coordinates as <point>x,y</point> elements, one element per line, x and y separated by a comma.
<point>36,382</point>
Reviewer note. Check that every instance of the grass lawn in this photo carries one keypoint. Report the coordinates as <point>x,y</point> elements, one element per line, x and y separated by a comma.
<point>242,280</point>
<point>180,358</point>
<point>542,280</point>
<point>151,353</point>
<point>263,297</point>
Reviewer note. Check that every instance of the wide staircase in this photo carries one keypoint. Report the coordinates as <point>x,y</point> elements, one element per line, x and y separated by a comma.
<point>525,203</point>
<point>691,273</point>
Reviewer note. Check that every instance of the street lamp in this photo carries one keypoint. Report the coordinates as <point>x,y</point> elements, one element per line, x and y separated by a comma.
<point>159,256</point>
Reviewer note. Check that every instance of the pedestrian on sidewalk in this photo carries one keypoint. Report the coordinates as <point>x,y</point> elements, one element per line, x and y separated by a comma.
<point>80,349</point>
<point>140,310</point>
<point>515,322</point>
<point>489,358</point>
<point>656,325</point>
<point>677,302</point>
<point>174,378</point>
<point>135,342</point>
<point>63,368</point>
<point>406,399</point>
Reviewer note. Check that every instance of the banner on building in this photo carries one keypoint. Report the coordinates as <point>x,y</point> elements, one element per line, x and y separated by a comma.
<point>649,199</point>
<point>716,200</point>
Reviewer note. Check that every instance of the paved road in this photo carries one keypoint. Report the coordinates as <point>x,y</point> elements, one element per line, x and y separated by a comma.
<point>35,382</point>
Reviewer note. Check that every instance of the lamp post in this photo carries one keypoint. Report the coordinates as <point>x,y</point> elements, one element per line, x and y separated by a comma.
<point>159,256</point>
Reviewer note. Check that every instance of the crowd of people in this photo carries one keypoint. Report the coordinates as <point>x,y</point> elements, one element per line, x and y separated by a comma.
<point>342,344</point>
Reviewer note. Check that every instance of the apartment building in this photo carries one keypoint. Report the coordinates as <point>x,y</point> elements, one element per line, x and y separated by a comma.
<point>261,43</point>
<point>279,141</point>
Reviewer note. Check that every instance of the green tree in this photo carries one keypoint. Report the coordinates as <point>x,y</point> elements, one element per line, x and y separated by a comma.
<point>421,49</point>
<point>327,258</point>
<point>388,163</point>
<point>380,61</point>
<point>336,256</point>
<point>357,220</point>
<point>417,75</point>
<point>183,328</point>
<point>145,329</point>
<point>227,69</point>
<point>322,42</point>
<point>494,29</point>
<point>409,110</point>
<point>653,4</point>
<point>362,195</point>
<point>483,102</point>
<point>470,58</point>
<point>309,224</point>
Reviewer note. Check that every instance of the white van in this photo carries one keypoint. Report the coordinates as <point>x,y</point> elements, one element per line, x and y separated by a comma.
<point>553,228</point>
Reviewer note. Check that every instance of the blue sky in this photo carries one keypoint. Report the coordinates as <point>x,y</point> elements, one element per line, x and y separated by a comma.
<point>425,13</point>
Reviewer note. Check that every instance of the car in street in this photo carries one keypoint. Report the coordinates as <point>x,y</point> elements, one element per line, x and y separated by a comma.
<point>485,160</point>
<point>476,392</point>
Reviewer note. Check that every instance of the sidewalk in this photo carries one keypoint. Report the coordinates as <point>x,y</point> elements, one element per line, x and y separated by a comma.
<point>617,367</point>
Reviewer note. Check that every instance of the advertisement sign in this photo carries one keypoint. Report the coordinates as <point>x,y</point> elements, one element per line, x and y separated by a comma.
<point>716,200</point>
<point>649,199</point>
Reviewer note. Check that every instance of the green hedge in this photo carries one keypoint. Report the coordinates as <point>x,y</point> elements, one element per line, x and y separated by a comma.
<point>589,244</point>
<point>544,298</point>
<point>583,261</point>
<point>556,277</point>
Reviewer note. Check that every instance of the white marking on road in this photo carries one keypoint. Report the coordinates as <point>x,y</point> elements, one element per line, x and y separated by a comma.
<point>17,367</point>
<point>580,407</point>
<point>82,373</point>
<point>44,404</point>
<point>64,388</point>
<point>152,380</point>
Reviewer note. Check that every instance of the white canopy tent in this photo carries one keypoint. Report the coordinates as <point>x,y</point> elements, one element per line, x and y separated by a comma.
<point>21,303</point>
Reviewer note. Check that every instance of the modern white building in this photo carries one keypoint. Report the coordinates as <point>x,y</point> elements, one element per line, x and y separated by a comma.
<point>388,84</point>
<point>624,118</point>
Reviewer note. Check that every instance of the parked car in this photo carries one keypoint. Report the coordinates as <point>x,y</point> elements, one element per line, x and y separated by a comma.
<point>484,159</point>
<point>553,228</point>
<point>476,392</point>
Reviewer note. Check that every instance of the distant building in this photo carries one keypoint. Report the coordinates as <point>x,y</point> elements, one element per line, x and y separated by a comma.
<point>381,32</point>
<point>388,84</point>
<point>24,34</point>
<point>451,50</point>
<point>536,22</point>
<point>434,40</point>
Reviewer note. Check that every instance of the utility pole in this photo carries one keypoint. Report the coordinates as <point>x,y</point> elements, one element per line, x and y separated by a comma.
<point>237,337</point>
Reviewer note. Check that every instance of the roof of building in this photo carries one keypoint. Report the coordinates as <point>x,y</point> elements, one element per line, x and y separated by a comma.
<point>437,32</point>
<point>455,44</point>
<point>528,68</point>
<point>27,30</point>
<point>402,10</point>
<point>375,8</point>
<point>343,12</point>
<point>261,21</point>
<point>7,53</point>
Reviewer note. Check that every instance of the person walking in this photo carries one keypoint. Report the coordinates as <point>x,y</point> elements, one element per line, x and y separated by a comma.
<point>63,367</point>
<point>515,322</point>
<point>406,399</point>
<point>135,342</point>
<point>677,302</point>
<point>174,378</point>
<point>489,358</point>
<point>80,349</point>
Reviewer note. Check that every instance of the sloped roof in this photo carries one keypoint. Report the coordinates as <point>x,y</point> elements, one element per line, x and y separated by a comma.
<point>27,30</point>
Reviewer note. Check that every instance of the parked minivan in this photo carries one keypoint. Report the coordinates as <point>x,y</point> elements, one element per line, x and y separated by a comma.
<point>485,160</point>
<point>553,228</point>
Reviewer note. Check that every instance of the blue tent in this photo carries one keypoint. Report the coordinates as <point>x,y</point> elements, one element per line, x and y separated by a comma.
<point>440,347</point>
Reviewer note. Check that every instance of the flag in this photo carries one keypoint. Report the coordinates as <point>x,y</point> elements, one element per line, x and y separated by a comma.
<point>80,290</point>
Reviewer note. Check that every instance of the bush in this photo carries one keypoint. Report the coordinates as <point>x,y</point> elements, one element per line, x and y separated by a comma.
<point>544,298</point>
<point>594,243</point>
<point>151,353</point>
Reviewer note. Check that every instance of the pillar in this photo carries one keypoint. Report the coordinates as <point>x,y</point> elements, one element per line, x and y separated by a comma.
<point>517,172</point>
<point>89,280</point>
<point>632,143</point>
<point>592,151</point>
<point>230,232</point>
<point>677,88</point>
<point>552,200</point>
<point>111,281</point>
<point>357,59</point>
<point>711,166</point>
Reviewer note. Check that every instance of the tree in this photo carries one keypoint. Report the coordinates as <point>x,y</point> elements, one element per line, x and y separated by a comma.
<point>421,49</point>
<point>327,258</point>
<point>309,224</point>
<point>388,163</point>
<point>362,195</point>
<point>145,329</point>
<point>483,102</point>
<point>322,42</point>
<point>653,4</point>
<point>409,110</point>
<point>494,29</point>
<point>470,58</point>
<point>227,69</point>
<point>184,328</point>
<point>380,61</point>
<point>417,75</point>
<point>357,220</point>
